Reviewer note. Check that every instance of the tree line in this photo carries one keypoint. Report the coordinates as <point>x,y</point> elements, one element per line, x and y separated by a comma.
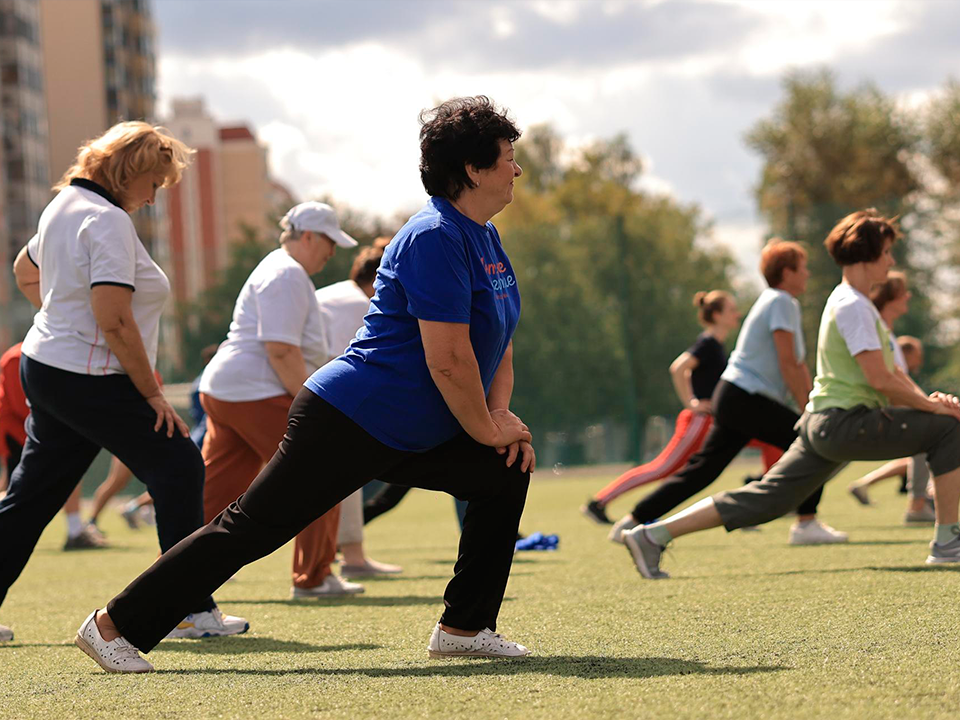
<point>607,270</point>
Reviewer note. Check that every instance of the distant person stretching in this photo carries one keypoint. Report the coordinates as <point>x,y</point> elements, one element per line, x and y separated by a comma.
<point>421,397</point>
<point>765,370</point>
<point>849,415</point>
<point>695,374</point>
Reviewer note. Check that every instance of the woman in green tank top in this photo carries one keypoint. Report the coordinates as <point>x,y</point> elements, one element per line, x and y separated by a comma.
<point>862,407</point>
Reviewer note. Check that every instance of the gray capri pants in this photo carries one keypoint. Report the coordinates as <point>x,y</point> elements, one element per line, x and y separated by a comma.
<point>828,439</point>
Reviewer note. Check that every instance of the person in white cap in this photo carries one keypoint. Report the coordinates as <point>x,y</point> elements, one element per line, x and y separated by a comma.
<point>275,342</point>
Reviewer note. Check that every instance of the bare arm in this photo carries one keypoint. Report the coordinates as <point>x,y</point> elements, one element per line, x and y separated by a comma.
<point>899,389</point>
<point>111,305</point>
<point>501,389</point>
<point>681,373</point>
<point>28,277</point>
<point>795,373</point>
<point>287,362</point>
<point>453,367</point>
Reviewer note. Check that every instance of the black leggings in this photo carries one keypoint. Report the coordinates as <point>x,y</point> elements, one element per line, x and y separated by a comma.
<point>71,417</point>
<point>739,417</point>
<point>288,495</point>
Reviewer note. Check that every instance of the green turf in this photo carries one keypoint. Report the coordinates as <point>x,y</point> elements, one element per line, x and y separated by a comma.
<point>747,628</point>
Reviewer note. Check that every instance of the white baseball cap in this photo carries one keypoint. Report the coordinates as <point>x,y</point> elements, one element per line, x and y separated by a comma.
<point>319,218</point>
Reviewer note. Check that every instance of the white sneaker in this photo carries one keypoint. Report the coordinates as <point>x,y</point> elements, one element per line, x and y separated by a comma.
<point>485,643</point>
<point>6,634</point>
<point>116,656</point>
<point>212,623</point>
<point>620,526</point>
<point>331,586</point>
<point>815,532</point>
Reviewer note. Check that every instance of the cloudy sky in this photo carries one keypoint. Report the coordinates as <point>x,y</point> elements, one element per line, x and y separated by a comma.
<point>334,87</point>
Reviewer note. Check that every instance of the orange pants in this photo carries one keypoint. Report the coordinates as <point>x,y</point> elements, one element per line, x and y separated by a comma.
<point>241,438</point>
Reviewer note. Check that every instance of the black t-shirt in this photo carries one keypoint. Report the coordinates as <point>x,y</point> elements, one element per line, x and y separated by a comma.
<point>713,360</point>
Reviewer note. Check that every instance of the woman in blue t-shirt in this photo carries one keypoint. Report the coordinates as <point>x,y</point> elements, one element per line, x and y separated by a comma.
<point>421,397</point>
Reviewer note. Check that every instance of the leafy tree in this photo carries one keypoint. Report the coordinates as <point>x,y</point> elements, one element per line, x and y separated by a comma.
<point>826,154</point>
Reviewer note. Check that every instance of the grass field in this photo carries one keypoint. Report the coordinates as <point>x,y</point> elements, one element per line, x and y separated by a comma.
<point>748,627</point>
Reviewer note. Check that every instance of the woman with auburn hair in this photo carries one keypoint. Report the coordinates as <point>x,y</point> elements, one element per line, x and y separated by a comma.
<point>862,407</point>
<point>88,362</point>
<point>892,299</point>
<point>421,397</point>
<point>695,374</point>
<point>765,371</point>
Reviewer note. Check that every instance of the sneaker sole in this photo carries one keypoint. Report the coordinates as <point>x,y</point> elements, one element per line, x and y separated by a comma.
<point>437,655</point>
<point>205,634</point>
<point>637,554</point>
<point>95,656</point>
<point>932,560</point>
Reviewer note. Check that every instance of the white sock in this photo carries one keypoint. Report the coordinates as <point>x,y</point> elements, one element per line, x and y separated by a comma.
<point>74,524</point>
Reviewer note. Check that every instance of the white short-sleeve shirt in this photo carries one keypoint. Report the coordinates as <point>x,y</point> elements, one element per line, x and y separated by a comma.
<point>276,304</point>
<point>343,306</point>
<point>86,239</point>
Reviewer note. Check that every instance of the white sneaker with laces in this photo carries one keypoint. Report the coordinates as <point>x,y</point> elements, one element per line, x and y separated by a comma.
<point>212,623</point>
<point>331,586</point>
<point>116,656</point>
<point>6,634</point>
<point>620,526</point>
<point>814,532</point>
<point>485,643</point>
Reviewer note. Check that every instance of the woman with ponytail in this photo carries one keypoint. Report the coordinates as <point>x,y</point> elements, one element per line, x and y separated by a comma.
<point>695,374</point>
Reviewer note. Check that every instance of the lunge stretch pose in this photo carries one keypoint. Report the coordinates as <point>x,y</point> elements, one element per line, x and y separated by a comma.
<point>421,397</point>
<point>848,417</point>
<point>892,298</point>
<point>88,359</point>
<point>750,402</point>
<point>695,374</point>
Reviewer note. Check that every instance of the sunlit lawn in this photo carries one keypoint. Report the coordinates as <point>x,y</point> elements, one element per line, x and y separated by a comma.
<point>747,628</point>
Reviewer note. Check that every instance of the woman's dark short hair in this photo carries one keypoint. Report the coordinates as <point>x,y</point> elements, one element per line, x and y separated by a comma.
<point>860,237</point>
<point>462,131</point>
<point>365,265</point>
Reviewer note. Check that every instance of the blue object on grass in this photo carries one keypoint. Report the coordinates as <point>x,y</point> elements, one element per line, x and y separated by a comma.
<point>538,541</point>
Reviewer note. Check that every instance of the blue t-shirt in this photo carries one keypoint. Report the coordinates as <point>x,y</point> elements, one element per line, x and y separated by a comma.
<point>444,267</point>
<point>754,365</point>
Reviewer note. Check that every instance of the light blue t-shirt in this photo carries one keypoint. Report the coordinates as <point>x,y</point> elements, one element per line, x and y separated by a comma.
<point>754,365</point>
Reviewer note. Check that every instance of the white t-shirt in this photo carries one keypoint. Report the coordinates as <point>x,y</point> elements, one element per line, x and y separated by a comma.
<point>85,239</point>
<point>276,304</point>
<point>343,306</point>
<point>856,319</point>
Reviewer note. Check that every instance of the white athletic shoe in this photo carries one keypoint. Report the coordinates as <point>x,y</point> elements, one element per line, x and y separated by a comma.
<point>116,656</point>
<point>815,532</point>
<point>6,634</point>
<point>620,526</point>
<point>212,623</point>
<point>332,586</point>
<point>485,643</point>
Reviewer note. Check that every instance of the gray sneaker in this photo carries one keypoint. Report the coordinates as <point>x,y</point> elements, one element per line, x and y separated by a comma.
<point>946,553</point>
<point>646,554</point>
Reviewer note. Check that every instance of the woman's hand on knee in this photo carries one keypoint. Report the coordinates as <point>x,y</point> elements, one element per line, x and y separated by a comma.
<point>166,415</point>
<point>946,404</point>
<point>523,449</point>
<point>509,429</point>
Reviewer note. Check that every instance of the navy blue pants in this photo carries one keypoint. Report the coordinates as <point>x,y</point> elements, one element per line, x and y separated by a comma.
<point>72,417</point>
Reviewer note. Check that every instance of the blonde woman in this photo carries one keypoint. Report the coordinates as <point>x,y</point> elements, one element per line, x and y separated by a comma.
<point>88,361</point>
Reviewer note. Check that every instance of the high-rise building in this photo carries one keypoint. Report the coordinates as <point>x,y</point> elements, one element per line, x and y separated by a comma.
<point>224,191</point>
<point>100,69</point>
<point>24,181</point>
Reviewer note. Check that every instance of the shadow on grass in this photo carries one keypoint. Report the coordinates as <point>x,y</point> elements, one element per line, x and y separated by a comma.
<point>361,600</point>
<point>91,552</point>
<point>864,568</point>
<point>14,644</point>
<point>401,577</point>
<point>242,644</point>
<point>585,667</point>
